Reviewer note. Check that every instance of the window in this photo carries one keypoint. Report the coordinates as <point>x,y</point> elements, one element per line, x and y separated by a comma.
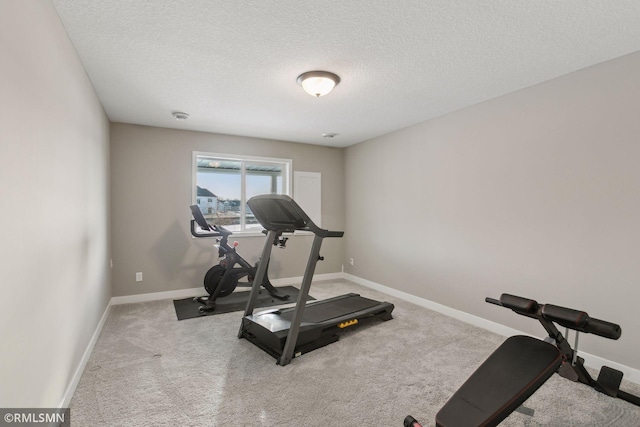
<point>222,184</point>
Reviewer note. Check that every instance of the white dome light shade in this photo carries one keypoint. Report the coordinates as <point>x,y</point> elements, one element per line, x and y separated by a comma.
<point>178,115</point>
<point>318,83</point>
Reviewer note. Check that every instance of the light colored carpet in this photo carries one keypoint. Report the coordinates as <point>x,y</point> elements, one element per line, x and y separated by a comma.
<point>149,369</point>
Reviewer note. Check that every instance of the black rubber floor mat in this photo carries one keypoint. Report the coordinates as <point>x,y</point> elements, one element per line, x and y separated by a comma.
<point>187,308</point>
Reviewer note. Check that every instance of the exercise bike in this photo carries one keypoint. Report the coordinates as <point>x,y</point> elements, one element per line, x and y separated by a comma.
<point>223,278</point>
<point>516,369</point>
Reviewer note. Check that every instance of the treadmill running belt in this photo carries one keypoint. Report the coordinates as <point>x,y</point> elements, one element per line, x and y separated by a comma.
<point>319,312</point>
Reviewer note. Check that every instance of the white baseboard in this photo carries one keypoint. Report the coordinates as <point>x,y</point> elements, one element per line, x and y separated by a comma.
<point>71,388</point>
<point>298,280</point>
<point>443,309</point>
<point>194,292</point>
<point>156,296</point>
<point>591,361</point>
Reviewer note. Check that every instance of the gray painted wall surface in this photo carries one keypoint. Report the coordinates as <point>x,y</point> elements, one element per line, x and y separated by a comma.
<point>536,193</point>
<point>54,250</point>
<point>151,180</point>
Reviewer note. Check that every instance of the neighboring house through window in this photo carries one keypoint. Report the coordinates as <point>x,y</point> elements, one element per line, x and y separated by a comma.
<point>207,201</point>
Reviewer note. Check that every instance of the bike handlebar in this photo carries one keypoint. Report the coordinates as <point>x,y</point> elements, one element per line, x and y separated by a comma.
<point>213,230</point>
<point>211,233</point>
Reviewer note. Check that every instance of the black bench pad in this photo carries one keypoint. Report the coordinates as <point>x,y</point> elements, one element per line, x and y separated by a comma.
<point>512,373</point>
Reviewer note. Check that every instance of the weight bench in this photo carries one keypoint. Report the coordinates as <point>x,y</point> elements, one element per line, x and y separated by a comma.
<point>516,369</point>
<point>502,383</point>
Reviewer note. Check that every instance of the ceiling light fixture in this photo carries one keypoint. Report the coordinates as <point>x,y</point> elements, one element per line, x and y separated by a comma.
<point>180,116</point>
<point>318,83</point>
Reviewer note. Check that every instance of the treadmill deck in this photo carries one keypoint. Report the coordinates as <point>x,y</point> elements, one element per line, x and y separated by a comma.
<point>320,322</point>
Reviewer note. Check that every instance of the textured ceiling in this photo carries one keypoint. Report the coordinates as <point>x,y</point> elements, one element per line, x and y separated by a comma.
<point>232,65</point>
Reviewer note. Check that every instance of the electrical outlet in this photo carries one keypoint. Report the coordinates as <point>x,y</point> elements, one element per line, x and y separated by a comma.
<point>351,261</point>
<point>139,276</point>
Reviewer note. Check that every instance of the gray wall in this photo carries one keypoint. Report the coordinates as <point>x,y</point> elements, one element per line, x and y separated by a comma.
<point>536,193</point>
<point>54,142</point>
<point>151,179</point>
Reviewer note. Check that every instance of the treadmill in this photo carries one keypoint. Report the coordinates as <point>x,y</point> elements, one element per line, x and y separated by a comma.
<point>290,332</point>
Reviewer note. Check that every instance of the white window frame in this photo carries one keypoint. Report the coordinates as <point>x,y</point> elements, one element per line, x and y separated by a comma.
<point>286,180</point>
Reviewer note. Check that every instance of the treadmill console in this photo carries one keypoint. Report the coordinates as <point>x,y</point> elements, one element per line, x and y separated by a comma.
<point>280,213</point>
